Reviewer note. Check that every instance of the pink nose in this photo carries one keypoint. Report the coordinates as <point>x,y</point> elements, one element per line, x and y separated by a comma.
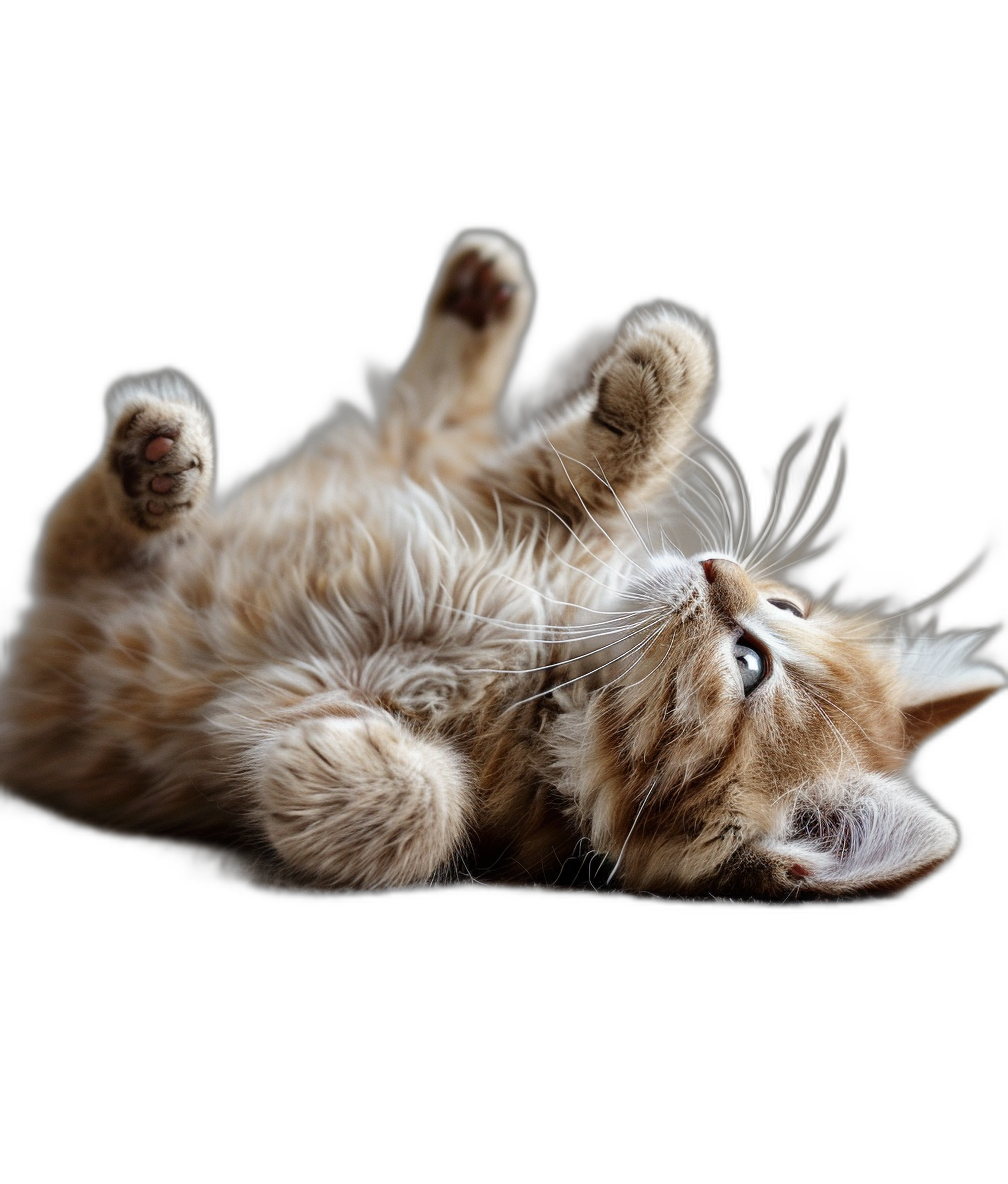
<point>730,589</point>
<point>718,570</point>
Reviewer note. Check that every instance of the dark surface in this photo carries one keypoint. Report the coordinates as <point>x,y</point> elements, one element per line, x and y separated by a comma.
<point>273,278</point>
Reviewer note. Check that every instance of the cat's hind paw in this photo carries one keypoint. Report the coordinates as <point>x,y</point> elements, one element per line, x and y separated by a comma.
<point>483,281</point>
<point>473,324</point>
<point>480,281</point>
<point>160,448</point>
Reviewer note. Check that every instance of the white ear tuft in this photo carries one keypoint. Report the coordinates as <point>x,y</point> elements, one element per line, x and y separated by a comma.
<point>941,665</point>
<point>873,831</point>
<point>940,678</point>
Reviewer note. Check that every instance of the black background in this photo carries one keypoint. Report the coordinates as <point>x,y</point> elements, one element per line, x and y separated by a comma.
<point>273,261</point>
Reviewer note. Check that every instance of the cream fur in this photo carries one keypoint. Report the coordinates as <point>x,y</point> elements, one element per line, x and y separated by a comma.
<point>420,648</point>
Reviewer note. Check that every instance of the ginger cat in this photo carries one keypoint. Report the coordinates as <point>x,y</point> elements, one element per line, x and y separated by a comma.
<point>423,647</point>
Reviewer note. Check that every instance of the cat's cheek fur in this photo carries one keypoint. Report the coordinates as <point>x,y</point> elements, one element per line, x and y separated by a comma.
<point>696,791</point>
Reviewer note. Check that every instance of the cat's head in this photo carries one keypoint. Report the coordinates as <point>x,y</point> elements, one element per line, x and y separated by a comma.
<point>753,744</point>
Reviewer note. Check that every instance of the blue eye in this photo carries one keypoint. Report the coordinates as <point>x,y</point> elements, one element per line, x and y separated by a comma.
<point>753,665</point>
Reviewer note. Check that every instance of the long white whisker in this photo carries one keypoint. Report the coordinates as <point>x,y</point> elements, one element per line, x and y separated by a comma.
<point>637,682</point>
<point>589,629</point>
<point>798,552</point>
<point>631,830</point>
<point>598,525</point>
<point>811,485</point>
<point>616,499</point>
<point>599,612</point>
<point>707,529</point>
<point>624,637</point>
<point>626,593</point>
<point>780,486</point>
<point>642,654</point>
<point>589,673</point>
<point>570,530</point>
<point>942,592</point>
<point>741,487</point>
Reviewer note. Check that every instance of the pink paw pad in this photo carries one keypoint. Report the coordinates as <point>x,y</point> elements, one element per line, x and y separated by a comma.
<point>160,469</point>
<point>159,448</point>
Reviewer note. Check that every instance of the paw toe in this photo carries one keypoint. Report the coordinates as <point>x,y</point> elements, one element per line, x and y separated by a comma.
<point>161,450</point>
<point>159,447</point>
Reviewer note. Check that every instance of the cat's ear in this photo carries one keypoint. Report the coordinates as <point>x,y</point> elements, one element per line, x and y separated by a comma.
<point>870,832</point>
<point>940,679</point>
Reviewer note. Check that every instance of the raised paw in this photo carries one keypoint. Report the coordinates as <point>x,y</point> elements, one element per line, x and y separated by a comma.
<point>162,453</point>
<point>661,365</point>
<point>160,465</point>
<point>474,291</point>
<point>482,282</point>
<point>472,327</point>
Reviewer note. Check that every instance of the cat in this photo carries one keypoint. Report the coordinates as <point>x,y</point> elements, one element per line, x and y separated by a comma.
<point>422,647</point>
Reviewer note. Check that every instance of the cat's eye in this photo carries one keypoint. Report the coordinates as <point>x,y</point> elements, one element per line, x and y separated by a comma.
<point>753,663</point>
<point>789,607</point>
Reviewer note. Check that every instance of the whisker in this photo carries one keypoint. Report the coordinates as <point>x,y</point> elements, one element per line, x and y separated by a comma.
<point>588,673</point>
<point>711,445</point>
<point>587,575</point>
<point>641,657</point>
<point>616,498</point>
<point>942,592</point>
<point>631,830</point>
<point>653,670</point>
<point>565,604</point>
<point>808,492</point>
<point>780,487</point>
<point>623,638</point>
<point>799,552</point>
<point>714,532</point>
<point>570,529</point>
<point>598,525</point>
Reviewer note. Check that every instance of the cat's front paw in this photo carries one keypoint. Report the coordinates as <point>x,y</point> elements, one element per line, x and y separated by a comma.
<point>161,452</point>
<point>661,364</point>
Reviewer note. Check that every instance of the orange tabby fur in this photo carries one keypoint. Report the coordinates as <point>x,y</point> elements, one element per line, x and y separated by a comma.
<point>420,647</point>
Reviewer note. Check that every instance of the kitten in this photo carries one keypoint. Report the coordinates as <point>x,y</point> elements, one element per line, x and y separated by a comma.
<point>423,647</point>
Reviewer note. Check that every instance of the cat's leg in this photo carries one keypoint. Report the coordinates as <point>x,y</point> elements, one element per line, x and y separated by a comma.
<point>472,328</point>
<point>358,799</point>
<point>622,436</point>
<point>149,486</point>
